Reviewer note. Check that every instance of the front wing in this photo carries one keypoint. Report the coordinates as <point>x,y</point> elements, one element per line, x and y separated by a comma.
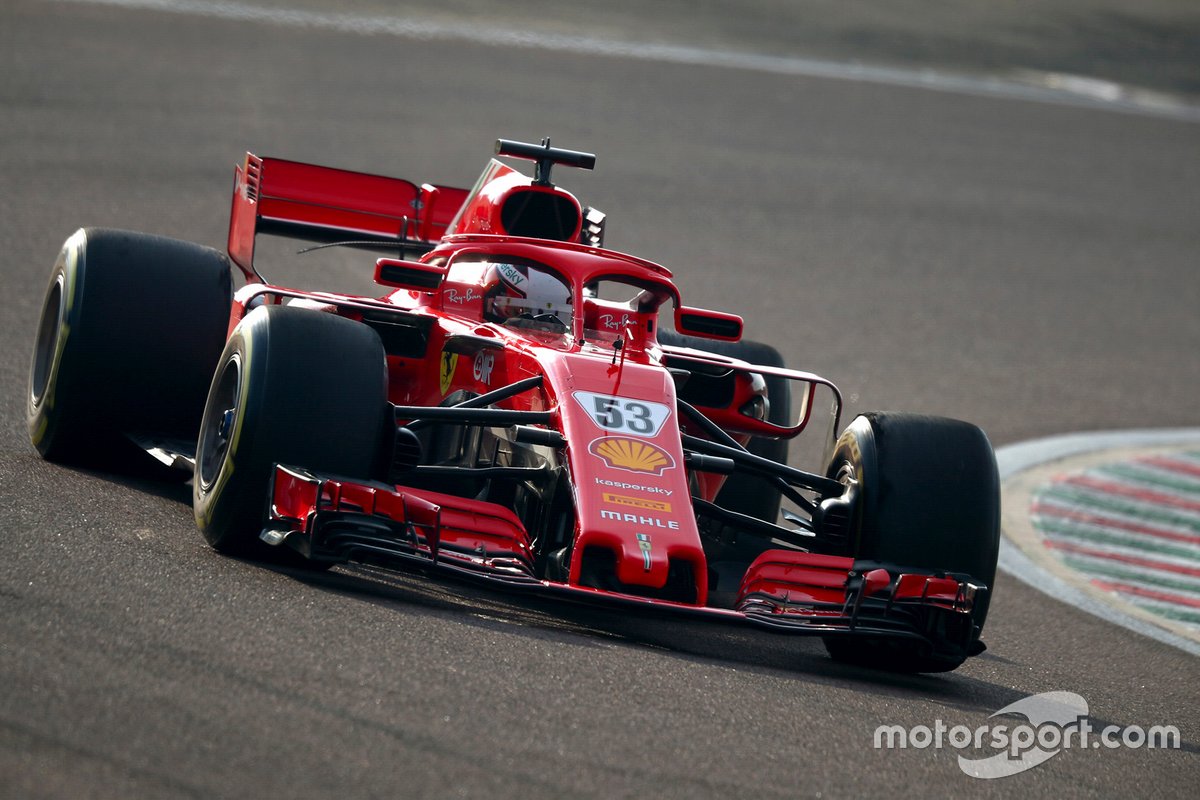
<point>327,518</point>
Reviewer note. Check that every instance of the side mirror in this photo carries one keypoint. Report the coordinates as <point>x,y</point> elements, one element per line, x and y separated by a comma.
<point>411,275</point>
<point>708,324</point>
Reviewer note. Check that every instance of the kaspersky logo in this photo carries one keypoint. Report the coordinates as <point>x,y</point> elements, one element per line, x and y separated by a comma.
<point>636,487</point>
<point>511,274</point>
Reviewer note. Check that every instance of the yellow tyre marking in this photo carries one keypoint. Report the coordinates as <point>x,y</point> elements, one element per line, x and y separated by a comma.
<point>227,465</point>
<point>70,270</point>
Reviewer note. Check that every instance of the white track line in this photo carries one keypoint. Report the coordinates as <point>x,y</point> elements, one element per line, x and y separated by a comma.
<point>1041,87</point>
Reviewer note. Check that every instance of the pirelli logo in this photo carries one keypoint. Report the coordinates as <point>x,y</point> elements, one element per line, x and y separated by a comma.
<point>636,502</point>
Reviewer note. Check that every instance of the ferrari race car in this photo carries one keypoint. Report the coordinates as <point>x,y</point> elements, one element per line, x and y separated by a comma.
<point>521,406</point>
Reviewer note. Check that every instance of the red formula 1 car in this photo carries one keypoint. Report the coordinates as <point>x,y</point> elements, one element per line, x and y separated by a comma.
<point>510,410</point>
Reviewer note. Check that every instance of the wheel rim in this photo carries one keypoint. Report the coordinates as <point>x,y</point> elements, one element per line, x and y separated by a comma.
<point>219,422</point>
<point>46,349</point>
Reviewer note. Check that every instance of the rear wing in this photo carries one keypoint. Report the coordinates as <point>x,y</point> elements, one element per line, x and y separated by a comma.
<point>323,204</point>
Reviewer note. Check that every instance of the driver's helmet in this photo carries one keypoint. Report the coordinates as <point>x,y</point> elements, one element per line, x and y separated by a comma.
<point>513,290</point>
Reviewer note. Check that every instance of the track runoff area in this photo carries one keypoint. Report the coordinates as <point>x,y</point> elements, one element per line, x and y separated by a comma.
<point>1110,522</point>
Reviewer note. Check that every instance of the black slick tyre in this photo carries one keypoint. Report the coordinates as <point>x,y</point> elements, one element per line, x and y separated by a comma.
<point>296,387</point>
<point>131,328</point>
<point>928,498</point>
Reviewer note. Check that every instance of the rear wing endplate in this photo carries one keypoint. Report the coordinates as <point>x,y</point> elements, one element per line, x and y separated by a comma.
<point>324,204</point>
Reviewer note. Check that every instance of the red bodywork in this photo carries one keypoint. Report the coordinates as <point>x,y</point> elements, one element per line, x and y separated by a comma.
<point>619,483</point>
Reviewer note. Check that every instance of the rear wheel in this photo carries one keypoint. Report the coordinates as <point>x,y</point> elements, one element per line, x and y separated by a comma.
<point>131,328</point>
<point>296,387</point>
<point>928,498</point>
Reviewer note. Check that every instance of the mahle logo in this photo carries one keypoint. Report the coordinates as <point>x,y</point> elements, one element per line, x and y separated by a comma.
<point>1056,721</point>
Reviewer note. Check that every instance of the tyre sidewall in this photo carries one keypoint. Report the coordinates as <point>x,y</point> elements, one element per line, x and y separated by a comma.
<point>218,504</point>
<point>311,394</point>
<point>53,393</point>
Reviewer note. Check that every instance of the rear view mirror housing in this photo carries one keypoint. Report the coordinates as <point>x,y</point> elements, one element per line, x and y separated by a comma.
<point>411,275</point>
<point>708,324</point>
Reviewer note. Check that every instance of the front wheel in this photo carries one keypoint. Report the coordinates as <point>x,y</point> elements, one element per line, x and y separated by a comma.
<point>928,499</point>
<point>296,387</point>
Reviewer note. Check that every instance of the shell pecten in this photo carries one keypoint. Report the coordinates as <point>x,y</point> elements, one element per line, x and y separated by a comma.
<point>633,455</point>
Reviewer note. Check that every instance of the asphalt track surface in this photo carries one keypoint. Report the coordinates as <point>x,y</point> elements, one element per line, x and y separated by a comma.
<point>1027,266</point>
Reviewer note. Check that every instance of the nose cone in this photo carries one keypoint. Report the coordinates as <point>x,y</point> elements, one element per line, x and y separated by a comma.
<point>663,565</point>
<point>636,531</point>
<point>643,566</point>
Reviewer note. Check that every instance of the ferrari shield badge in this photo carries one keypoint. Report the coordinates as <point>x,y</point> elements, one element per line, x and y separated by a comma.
<point>449,362</point>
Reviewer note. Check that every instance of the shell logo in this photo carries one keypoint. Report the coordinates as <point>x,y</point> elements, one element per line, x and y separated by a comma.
<point>632,455</point>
